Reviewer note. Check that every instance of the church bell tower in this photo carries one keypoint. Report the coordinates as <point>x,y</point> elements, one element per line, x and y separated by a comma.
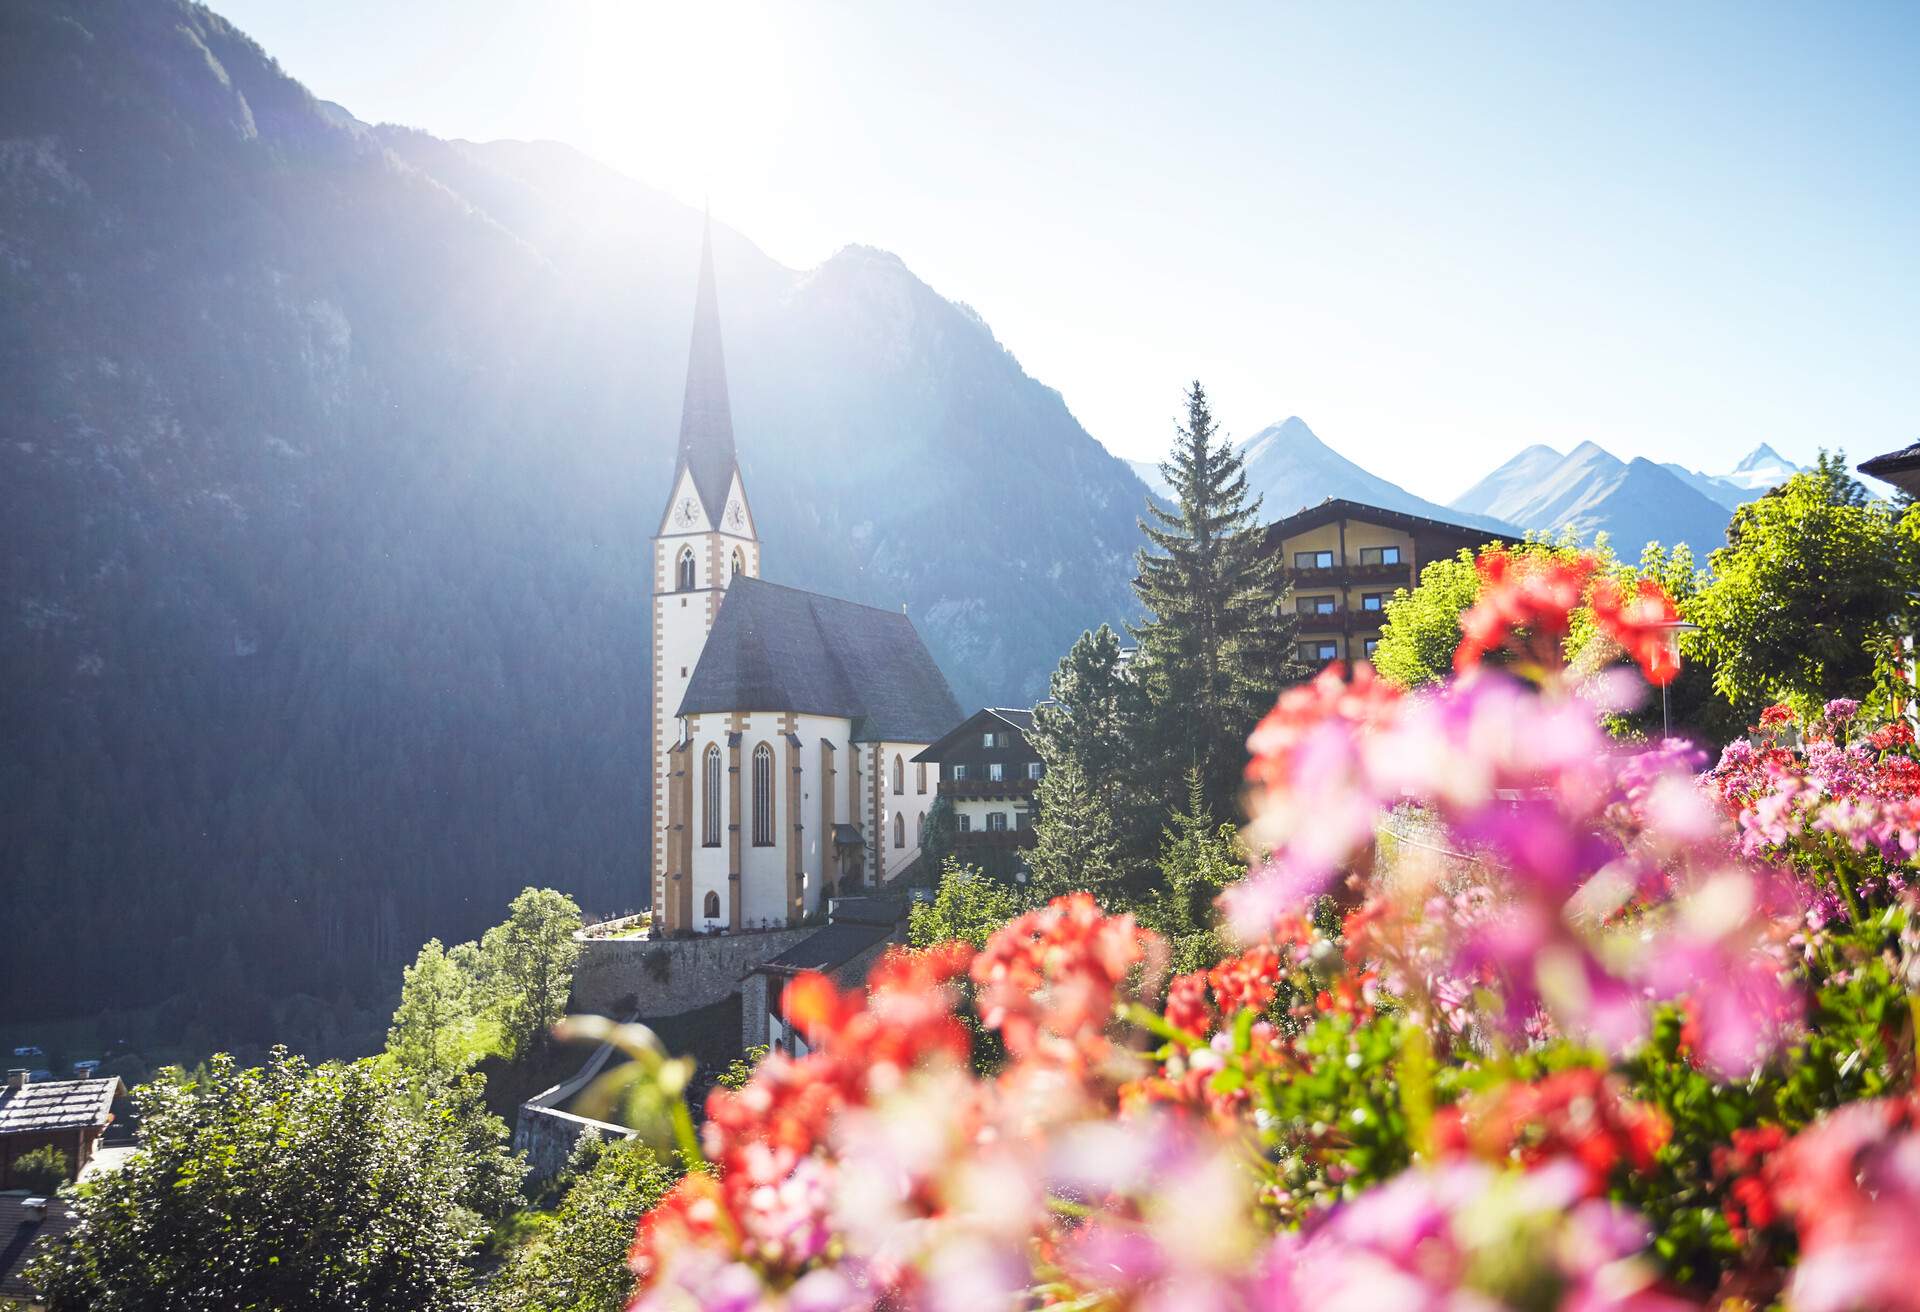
<point>706,537</point>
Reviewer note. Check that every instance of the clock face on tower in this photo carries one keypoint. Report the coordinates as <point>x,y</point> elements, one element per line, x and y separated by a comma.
<point>684,513</point>
<point>736,516</point>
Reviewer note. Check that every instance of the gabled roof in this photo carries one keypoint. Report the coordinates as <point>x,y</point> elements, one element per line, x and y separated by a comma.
<point>57,1105</point>
<point>1334,509</point>
<point>706,416</point>
<point>23,1232</point>
<point>828,950</point>
<point>774,648</point>
<point>979,722</point>
<point>1900,468</point>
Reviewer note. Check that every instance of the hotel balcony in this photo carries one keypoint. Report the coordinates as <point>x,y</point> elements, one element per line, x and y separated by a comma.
<point>993,839</point>
<point>1326,623</point>
<point>988,790</point>
<point>1337,576</point>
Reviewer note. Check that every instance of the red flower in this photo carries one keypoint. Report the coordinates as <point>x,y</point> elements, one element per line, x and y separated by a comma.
<point>1246,982</point>
<point>1047,980</point>
<point>1527,594</point>
<point>1642,624</point>
<point>1364,701</point>
<point>1777,716</point>
<point>1888,737</point>
<point>1187,1006</point>
<point>1578,1114</point>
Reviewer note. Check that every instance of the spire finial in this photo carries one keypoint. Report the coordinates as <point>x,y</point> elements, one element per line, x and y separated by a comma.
<point>706,417</point>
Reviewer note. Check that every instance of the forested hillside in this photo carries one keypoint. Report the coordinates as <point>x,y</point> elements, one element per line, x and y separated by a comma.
<point>327,465</point>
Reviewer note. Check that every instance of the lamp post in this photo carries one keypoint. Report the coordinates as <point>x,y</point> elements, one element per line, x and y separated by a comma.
<point>1673,629</point>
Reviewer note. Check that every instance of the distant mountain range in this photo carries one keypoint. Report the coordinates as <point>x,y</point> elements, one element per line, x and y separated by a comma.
<point>1588,489</point>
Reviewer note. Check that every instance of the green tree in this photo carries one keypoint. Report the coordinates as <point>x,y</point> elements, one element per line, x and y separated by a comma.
<point>1198,859</point>
<point>527,962</point>
<point>289,1187</point>
<point>577,1261</point>
<point>432,1032</point>
<point>1094,723</point>
<point>1217,644</point>
<point>1810,594</point>
<point>936,843</point>
<point>967,908</point>
<point>42,1171</point>
<point>1077,845</point>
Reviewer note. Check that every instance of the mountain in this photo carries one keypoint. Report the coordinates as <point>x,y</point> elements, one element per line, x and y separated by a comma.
<point>1589,490</point>
<point>327,472</point>
<point>1759,471</point>
<point>1291,468</point>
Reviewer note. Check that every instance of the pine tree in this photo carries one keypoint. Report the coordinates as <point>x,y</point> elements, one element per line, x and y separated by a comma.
<point>1198,859</point>
<point>1076,846</point>
<point>1218,643</point>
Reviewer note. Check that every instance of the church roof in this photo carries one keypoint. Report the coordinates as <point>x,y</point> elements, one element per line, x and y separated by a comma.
<point>774,648</point>
<point>706,416</point>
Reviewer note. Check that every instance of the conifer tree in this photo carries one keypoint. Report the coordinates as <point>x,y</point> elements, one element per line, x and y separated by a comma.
<point>1198,859</point>
<point>1217,645</point>
<point>1076,847</point>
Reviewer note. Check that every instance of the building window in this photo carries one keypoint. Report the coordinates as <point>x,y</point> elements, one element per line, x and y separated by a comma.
<point>920,777</point>
<point>966,823</point>
<point>710,797</point>
<point>959,772</point>
<point>763,796</point>
<point>1315,605</point>
<point>1022,820</point>
<point>711,906</point>
<point>1313,560</point>
<point>739,565</point>
<point>1033,769</point>
<point>997,821</point>
<point>899,829</point>
<point>899,775</point>
<point>1321,652</point>
<point>1379,555</point>
<point>996,771</point>
<point>1372,645</point>
<point>920,830</point>
<point>1374,601</point>
<point>684,578</point>
<point>989,739</point>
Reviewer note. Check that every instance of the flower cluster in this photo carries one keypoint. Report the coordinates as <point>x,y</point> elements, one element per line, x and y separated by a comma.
<point>1508,1000</point>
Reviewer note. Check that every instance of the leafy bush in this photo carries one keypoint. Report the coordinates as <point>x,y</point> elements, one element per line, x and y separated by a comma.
<point>42,1171</point>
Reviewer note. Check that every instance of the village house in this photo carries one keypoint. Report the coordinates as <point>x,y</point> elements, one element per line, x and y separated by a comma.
<point>989,772</point>
<point>1344,560</point>
<point>69,1115</point>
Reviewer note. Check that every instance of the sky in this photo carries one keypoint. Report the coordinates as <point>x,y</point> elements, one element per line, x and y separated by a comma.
<point>1437,232</point>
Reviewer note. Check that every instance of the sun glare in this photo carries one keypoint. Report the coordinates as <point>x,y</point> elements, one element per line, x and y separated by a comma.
<point>684,95</point>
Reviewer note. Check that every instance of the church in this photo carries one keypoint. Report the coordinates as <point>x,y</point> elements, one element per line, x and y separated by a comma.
<point>785,722</point>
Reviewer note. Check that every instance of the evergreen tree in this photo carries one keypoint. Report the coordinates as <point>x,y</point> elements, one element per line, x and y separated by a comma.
<point>1077,846</point>
<point>1198,859</point>
<point>936,843</point>
<point>1095,721</point>
<point>1217,645</point>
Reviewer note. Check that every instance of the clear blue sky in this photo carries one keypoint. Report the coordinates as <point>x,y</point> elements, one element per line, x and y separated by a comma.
<point>1437,232</point>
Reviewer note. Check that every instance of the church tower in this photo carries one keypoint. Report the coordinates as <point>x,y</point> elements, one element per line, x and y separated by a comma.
<point>706,537</point>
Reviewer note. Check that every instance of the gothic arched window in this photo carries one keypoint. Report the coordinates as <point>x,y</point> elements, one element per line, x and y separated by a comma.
<point>711,907</point>
<point>763,796</point>
<point>739,565</point>
<point>899,775</point>
<point>683,580</point>
<point>920,830</point>
<point>920,777</point>
<point>899,828</point>
<point>710,797</point>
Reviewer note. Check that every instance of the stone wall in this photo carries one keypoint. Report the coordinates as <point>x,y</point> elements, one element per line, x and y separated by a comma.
<point>548,1136</point>
<point>759,991</point>
<point>648,977</point>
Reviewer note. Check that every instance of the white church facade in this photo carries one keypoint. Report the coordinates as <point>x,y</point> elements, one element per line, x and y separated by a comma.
<point>785,722</point>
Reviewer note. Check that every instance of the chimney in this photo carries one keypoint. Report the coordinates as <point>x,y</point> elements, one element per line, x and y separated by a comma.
<point>35,1207</point>
<point>17,1077</point>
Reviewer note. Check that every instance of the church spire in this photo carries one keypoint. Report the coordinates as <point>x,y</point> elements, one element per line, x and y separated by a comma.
<point>706,418</point>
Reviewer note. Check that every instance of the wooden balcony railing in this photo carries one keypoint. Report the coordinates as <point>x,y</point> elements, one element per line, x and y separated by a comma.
<point>988,790</point>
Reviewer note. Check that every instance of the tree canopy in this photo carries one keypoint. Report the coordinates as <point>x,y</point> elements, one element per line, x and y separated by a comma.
<point>290,1187</point>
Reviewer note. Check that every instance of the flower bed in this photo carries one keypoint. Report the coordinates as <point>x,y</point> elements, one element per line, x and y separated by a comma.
<point>1651,1048</point>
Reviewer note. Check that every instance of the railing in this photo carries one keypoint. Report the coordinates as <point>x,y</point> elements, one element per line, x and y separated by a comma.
<point>1340,621</point>
<point>987,790</point>
<point>1334,576</point>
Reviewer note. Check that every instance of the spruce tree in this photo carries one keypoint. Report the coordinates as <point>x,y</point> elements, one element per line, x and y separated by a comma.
<point>1218,642</point>
<point>1076,847</point>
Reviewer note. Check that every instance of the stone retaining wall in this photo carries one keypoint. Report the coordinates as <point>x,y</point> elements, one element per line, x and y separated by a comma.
<point>548,1137</point>
<point>664,977</point>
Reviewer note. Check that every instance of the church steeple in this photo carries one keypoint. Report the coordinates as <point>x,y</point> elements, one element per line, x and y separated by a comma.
<point>706,417</point>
